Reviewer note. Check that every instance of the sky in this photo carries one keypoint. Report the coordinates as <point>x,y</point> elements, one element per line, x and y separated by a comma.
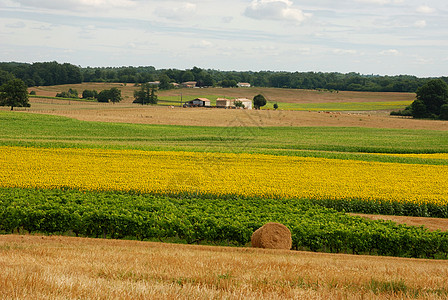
<point>384,37</point>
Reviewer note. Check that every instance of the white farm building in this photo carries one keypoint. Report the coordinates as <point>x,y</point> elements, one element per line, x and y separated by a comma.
<point>230,103</point>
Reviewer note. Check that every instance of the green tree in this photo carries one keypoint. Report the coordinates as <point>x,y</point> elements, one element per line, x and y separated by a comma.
<point>115,95</point>
<point>239,103</point>
<point>165,82</point>
<point>205,79</point>
<point>5,77</point>
<point>259,101</point>
<point>228,83</point>
<point>14,93</point>
<point>103,96</point>
<point>71,93</point>
<point>275,106</point>
<point>433,95</point>
<point>89,94</point>
<point>187,76</point>
<point>444,112</point>
<point>419,109</point>
<point>146,94</point>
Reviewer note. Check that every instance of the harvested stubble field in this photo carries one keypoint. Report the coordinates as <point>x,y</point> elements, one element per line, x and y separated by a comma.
<point>41,267</point>
<point>132,113</point>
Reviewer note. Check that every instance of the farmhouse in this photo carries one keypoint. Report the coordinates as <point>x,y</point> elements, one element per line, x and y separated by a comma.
<point>230,103</point>
<point>189,84</point>
<point>243,84</point>
<point>198,102</point>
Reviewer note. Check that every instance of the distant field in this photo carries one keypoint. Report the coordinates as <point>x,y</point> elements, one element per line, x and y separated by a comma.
<point>307,106</point>
<point>290,95</point>
<point>286,98</point>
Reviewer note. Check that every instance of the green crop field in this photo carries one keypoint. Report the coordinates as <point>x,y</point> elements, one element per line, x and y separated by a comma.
<point>214,220</point>
<point>287,99</point>
<point>349,142</point>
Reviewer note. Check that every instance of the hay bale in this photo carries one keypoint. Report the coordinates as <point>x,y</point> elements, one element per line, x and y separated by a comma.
<point>272,236</point>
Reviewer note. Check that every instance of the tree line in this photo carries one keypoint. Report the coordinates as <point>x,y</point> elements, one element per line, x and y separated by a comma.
<point>431,102</point>
<point>53,73</point>
<point>41,73</point>
<point>109,95</point>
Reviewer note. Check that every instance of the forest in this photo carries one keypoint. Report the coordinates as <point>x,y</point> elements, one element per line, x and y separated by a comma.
<point>54,73</point>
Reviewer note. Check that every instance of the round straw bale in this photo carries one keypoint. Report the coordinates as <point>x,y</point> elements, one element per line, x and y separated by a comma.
<point>272,236</point>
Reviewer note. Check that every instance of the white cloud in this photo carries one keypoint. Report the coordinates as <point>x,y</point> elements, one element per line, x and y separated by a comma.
<point>423,61</point>
<point>202,45</point>
<point>390,52</point>
<point>424,9</point>
<point>227,19</point>
<point>420,24</point>
<point>76,4</point>
<point>275,10</point>
<point>16,25</point>
<point>179,12</point>
<point>366,36</point>
<point>344,51</point>
<point>381,2</point>
<point>104,3</point>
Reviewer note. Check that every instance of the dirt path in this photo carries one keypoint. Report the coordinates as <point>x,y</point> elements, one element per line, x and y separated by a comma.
<point>430,223</point>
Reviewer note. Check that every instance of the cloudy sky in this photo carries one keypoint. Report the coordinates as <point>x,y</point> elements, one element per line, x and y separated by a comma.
<point>386,37</point>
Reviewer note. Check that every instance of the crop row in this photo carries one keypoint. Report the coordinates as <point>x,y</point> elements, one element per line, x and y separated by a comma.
<point>247,175</point>
<point>230,220</point>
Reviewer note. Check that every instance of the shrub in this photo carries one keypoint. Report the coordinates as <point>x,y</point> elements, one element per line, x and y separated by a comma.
<point>239,104</point>
<point>89,94</point>
<point>71,93</point>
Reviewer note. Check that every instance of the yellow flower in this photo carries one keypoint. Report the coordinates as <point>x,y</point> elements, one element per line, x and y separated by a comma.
<point>222,173</point>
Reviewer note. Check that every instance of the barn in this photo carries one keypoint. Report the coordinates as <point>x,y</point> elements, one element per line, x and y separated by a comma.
<point>223,102</point>
<point>198,102</point>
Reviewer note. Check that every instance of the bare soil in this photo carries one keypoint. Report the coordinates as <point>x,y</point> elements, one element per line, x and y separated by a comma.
<point>432,224</point>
